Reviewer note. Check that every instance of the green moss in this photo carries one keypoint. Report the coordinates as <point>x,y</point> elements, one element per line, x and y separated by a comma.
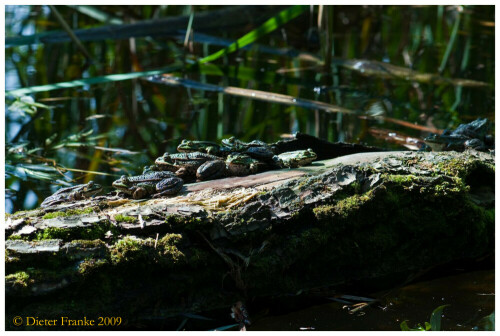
<point>89,266</point>
<point>71,212</point>
<point>10,258</point>
<point>14,237</point>
<point>169,244</point>
<point>88,243</point>
<point>95,231</point>
<point>450,187</point>
<point>404,180</point>
<point>53,233</point>
<point>146,252</point>
<point>19,279</point>
<point>127,219</point>
<point>461,168</point>
<point>54,214</point>
<point>348,205</point>
<point>26,213</point>
<point>188,223</point>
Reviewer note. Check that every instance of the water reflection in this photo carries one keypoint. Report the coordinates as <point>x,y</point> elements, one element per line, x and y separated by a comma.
<point>470,297</point>
<point>400,70</point>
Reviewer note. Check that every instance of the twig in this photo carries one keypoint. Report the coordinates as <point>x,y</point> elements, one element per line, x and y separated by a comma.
<point>73,37</point>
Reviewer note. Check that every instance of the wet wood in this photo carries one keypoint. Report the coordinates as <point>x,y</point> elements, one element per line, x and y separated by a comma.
<point>273,233</point>
<point>275,177</point>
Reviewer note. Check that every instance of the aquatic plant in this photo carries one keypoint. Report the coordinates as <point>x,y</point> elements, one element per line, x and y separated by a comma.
<point>434,324</point>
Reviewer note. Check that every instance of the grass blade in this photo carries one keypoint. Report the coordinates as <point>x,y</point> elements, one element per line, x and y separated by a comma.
<point>71,34</point>
<point>92,80</point>
<point>451,42</point>
<point>96,14</point>
<point>436,318</point>
<point>386,70</point>
<point>267,27</point>
<point>270,97</point>
<point>231,17</point>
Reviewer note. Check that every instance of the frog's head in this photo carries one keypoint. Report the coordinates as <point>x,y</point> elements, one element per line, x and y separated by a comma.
<point>186,146</point>
<point>197,146</point>
<point>230,142</point>
<point>91,189</point>
<point>309,154</point>
<point>436,142</point>
<point>164,160</point>
<point>480,126</point>
<point>240,159</point>
<point>122,183</point>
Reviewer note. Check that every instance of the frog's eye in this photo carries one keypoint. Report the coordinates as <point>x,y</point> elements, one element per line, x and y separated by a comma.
<point>90,184</point>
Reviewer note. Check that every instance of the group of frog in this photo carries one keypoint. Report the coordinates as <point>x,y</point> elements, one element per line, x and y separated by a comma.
<point>473,135</point>
<point>195,161</point>
<point>204,160</point>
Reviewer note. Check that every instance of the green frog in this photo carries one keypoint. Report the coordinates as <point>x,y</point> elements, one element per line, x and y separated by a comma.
<point>155,183</point>
<point>256,149</point>
<point>211,170</point>
<point>74,193</point>
<point>241,164</point>
<point>296,158</point>
<point>236,145</point>
<point>184,165</point>
<point>208,147</point>
<point>472,135</point>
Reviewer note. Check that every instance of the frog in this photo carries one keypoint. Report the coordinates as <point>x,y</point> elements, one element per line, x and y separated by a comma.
<point>74,193</point>
<point>239,164</point>
<point>466,136</point>
<point>296,158</point>
<point>153,183</point>
<point>256,149</point>
<point>184,165</point>
<point>211,170</point>
<point>208,147</point>
<point>236,145</point>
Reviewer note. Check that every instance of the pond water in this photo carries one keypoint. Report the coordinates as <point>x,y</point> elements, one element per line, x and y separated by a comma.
<point>386,76</point>
<point>466,289</point>
<point>470,297</point>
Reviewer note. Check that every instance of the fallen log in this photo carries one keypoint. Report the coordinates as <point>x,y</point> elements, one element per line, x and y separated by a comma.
<point>358,216</point>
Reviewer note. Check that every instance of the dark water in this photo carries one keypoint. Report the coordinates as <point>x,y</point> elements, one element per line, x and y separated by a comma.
<point>470,296</point>
<point>397,72</point>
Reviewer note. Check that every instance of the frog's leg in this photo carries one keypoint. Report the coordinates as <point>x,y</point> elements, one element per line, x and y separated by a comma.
<point>169,186</point>
<point>139,193</point>
<point>142,190</point>
<point>212,150</point>
<point>75,196</point>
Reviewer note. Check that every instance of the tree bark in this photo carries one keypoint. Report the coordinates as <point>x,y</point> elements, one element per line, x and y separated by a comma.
<point>358,216</point>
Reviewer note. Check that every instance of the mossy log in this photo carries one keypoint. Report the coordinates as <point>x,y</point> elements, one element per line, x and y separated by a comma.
<point>359,216</point>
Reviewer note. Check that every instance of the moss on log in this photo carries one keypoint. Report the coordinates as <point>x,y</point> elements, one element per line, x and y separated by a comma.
<point>354,217</point>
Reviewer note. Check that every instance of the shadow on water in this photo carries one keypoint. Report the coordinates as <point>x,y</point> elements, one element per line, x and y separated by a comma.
<point>470,297</point>
<point>468,293</point>
<point>466,288</point>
